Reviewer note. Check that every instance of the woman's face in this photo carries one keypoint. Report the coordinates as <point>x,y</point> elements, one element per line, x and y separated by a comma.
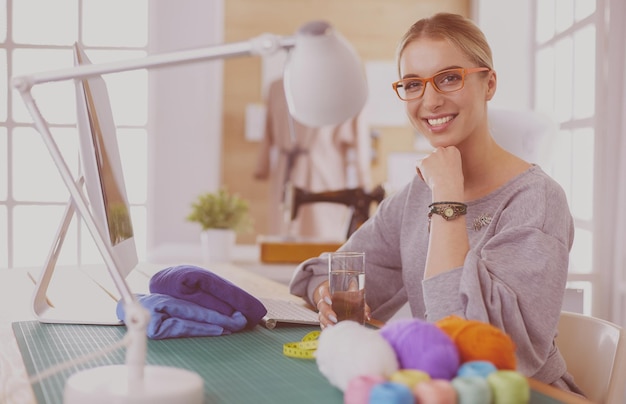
<point>446,119</point>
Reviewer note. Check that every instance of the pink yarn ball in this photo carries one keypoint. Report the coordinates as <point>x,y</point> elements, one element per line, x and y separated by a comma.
<point>423,346</point>
<point>358,390</point>
<point>436,391</point>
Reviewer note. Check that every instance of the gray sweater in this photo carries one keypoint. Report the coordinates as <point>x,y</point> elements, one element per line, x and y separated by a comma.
<point>513,277</point>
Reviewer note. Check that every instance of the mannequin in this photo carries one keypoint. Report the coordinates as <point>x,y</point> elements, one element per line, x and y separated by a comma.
<point>315,159</point>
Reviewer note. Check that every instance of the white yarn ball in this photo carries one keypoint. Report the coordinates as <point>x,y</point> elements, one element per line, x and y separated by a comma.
<point>348,349</point>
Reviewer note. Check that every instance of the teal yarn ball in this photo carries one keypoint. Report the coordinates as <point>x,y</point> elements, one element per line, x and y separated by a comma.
<point>472,390</point>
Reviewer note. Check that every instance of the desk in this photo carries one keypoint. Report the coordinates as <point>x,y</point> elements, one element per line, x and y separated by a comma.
<point>15,294</point>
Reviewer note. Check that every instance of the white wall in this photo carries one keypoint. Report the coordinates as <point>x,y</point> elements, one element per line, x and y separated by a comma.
<point>507,25</point>
<point>185,126</point>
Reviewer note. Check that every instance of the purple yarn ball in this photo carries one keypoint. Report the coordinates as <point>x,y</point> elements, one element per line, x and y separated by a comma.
<point>423,346</point>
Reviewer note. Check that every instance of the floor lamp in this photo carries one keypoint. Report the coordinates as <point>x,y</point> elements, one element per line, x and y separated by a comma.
<point>324,83</point>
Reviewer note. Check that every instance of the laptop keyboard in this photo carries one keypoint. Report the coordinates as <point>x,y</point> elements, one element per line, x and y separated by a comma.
<point>285,311</point>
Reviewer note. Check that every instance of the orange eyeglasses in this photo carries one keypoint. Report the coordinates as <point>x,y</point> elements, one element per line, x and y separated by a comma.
<point>446,81</point>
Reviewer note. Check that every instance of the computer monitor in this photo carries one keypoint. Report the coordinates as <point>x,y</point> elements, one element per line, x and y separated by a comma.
<point>103,180</point>
<point>102,167</point>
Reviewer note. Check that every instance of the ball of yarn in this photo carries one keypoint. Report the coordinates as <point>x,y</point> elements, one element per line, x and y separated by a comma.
<point>359,388</point>
<point>391,393</point>
<point>348,349</point>
<point>409,377</point>
<point>477,340</point>
<point>472,390</point>
<point>436,391</point>
<point>423,346</point>
<point>476,368</point>
<point>509,386</point>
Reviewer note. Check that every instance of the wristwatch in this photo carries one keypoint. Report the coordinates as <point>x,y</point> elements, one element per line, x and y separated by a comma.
<point>448,211</point>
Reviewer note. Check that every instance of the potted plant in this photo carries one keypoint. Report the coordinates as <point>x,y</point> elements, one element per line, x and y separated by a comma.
<point>221,215</point>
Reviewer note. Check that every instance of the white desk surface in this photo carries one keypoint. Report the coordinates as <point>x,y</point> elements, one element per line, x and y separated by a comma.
<point>17,286</point>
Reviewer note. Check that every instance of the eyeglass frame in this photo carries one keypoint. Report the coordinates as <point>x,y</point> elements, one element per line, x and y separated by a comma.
<point>464,72</point>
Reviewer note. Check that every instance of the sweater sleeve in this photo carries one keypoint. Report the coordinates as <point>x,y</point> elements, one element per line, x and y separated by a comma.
<point>515,278</point>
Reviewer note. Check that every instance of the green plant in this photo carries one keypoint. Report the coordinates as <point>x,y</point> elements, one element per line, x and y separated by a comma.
<point>220,210</point>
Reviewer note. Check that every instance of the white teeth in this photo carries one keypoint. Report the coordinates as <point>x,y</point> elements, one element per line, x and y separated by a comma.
<point>439,121</point>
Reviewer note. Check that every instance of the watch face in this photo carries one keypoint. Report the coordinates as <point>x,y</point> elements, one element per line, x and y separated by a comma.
<point>448,212</point>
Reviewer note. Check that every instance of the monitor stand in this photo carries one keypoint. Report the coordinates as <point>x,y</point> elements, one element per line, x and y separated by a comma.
<point>67,304</point>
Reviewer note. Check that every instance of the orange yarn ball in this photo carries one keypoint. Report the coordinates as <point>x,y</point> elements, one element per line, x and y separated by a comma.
<point>476,340</point>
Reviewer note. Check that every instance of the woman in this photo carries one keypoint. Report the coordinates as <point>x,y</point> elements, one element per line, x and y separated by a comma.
<point>479,232</point>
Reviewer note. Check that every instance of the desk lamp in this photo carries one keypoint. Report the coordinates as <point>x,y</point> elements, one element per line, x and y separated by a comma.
<point>324,84</point>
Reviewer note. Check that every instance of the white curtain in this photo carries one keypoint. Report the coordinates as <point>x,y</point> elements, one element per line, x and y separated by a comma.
<point>618,314</point>
<point>616,137</point>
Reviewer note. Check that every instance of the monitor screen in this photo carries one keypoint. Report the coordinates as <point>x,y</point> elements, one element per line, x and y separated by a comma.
<point>102,168</point>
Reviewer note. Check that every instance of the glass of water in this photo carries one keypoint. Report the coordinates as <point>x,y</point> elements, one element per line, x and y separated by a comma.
<point>346,275</point>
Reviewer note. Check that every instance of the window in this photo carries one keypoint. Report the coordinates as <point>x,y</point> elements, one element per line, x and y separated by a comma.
<point>33,197</point>
<point>565,89</point>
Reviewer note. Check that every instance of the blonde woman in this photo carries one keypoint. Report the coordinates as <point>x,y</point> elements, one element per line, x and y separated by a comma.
<point>479,232</point>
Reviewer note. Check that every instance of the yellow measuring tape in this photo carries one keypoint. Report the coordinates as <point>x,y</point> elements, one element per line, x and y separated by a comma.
<point>303,349</point>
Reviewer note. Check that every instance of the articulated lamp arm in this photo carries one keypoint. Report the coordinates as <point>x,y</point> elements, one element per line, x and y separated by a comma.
<point>265,44</point>
<point>325,84</point>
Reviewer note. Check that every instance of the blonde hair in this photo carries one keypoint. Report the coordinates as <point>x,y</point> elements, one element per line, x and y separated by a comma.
<point>456,29</point>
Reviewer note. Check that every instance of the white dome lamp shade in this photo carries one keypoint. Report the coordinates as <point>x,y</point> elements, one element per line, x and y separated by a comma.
<point>325,82</point>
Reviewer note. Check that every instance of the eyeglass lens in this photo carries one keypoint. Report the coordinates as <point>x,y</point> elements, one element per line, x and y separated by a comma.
<point>446,81</point>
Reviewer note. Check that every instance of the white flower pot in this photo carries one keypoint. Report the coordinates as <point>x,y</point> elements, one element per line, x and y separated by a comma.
<point>217,245</point>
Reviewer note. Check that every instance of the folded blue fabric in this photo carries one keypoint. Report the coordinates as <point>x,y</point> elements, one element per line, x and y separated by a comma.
<point>175,318</point>
<point>207,289</point>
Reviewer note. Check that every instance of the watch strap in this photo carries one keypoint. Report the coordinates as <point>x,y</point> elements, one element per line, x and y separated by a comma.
<point>447,210</point>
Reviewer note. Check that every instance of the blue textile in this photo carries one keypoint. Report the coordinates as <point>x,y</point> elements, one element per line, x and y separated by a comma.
<point>207,289</point>
<point>174,318</point>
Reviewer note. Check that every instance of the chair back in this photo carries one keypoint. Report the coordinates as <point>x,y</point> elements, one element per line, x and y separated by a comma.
<point>595,353</point>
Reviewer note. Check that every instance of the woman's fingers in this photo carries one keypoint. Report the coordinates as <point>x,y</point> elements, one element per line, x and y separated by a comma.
<point>325,307</point>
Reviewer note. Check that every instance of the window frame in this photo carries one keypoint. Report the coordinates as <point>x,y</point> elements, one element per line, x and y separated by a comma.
<point>11,204</point>
<point>603,280</point>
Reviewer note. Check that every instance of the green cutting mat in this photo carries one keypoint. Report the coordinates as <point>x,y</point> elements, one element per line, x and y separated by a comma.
<point>245,367</point>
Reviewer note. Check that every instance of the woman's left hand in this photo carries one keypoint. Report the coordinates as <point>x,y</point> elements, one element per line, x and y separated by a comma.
<point>442,170</point>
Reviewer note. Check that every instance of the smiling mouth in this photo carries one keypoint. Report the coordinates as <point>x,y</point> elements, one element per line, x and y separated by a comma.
<point>439,121</point>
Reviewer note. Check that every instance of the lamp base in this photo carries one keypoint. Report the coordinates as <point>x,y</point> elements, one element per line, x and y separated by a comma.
<point>111,384</point>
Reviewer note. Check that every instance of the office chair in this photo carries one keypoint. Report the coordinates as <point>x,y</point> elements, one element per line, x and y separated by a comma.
<point>595,353</point>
